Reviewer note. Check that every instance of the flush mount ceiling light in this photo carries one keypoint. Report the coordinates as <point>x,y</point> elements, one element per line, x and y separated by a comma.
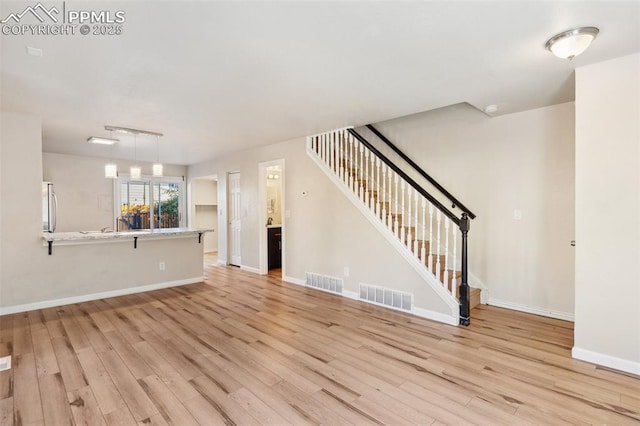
<point>102,141</point>
<point>569,44</point>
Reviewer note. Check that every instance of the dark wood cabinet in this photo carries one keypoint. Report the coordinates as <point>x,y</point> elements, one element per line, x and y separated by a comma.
<point>274,238</point>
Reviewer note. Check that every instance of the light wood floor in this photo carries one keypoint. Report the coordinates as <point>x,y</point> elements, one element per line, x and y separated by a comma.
<point>243,349</point>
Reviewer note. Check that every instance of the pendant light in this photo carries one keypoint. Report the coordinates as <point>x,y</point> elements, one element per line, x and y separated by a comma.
<point>157,167</point>
<point>135,171</point>
<point>111,168</point>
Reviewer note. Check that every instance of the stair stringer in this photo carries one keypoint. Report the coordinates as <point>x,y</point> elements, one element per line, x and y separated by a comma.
<point>451,302</point>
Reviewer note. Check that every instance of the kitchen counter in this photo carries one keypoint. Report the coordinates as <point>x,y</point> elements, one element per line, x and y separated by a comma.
<point>90,237</point>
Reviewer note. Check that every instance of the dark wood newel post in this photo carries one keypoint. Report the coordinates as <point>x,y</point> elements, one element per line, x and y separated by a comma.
<point>465,316</point>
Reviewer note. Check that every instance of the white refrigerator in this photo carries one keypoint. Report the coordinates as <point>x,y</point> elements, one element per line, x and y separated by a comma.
<point>49,207</point>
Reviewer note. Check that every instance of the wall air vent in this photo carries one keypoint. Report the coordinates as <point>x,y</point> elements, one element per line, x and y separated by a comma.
<point>386,297</point>
<point>324,282</point>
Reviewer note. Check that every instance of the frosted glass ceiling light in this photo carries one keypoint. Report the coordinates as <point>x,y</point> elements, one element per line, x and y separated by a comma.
<point>571,43</point>
<point>102,141</point>
<point>157,167</point>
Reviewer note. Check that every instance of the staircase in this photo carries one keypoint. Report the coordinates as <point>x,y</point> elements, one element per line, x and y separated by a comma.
<point>424,231</point>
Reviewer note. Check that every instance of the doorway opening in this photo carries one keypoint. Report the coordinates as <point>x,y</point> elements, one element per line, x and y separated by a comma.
<point>272,215</point>
<point>204,214</point>
<point>235,219</point>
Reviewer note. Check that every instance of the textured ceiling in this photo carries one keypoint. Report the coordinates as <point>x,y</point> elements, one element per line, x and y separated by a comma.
<point>215,77</point>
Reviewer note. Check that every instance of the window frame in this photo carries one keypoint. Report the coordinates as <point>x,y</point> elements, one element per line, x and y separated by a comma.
<point>151,181</point>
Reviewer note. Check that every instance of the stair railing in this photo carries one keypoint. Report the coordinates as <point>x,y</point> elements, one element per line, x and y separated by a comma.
<point>455,202</point>
<point>422,224</point>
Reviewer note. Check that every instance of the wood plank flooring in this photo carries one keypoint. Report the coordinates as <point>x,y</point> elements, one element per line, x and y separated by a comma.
<point>247,350</point>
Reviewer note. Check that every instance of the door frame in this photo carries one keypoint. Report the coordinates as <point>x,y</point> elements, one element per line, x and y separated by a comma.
<point>228,221</point>
<point>263,266</point>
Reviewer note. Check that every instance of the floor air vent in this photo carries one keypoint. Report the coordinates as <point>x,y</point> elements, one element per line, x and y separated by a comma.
<point>324,282</point>
<point>386,297</point>
<point>5,363</point>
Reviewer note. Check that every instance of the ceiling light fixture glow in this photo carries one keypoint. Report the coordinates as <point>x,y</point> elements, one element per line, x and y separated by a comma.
<point>569,44</point>
<point>102,141</point>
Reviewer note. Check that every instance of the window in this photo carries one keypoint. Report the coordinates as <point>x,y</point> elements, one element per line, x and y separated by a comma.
<point>150,203</point>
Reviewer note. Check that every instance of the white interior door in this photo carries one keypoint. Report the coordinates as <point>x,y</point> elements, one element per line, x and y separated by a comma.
<point>235,223</point>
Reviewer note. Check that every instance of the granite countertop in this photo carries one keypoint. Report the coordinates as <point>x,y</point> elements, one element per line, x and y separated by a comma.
<point>88,236</point>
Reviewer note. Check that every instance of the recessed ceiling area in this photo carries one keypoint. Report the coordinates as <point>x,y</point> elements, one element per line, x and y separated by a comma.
<point>216,77</point>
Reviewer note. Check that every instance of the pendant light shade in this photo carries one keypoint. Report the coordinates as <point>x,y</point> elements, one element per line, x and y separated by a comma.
<point>111,171</point>
<point>135,172</point>
<point>157,170</point>
<point>157,167</point>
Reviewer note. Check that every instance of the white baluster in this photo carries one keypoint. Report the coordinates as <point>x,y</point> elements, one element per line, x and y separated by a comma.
<point>366,177</point>
<point>377,187</point>
<point>416,223</point>
<point>372,181</point>
<point>341,156</point>
<point>430,259</point>
<point>446,252</point>
<point>383,216</point>
<point>321,147</point>
<point>361,190</point>
<point>409,234</point>
<point>402,218</point>
<point>454,284</point>
<point>395,222</point>
<point>438,266</point>
<point>351,177</point>
<point>423,249</point>
<point>324,148</point>
<point>390,200</point>
<point>356,184</point>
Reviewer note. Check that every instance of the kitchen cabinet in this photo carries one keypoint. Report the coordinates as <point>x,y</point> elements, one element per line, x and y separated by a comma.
<point>274,243</point>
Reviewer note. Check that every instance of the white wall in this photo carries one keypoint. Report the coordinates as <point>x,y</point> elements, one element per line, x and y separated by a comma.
<point>323,233</point>
<point>85,196</point>
<point>607,324</point>
<point>522,161</point>
<point>29,275</point>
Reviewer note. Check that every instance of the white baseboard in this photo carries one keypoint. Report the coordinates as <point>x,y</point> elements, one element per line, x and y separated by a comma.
<point>295,281</point>
<point>531,309</point>
<point>632,367</point>
<point>436,316</point>
<point>251,269</point>
<point>95,296</point>
<point>354,295</point>
<point>222,262</point>
<point>351,294</point>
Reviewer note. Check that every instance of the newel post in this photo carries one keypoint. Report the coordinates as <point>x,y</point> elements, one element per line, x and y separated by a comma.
<point>465,316</point>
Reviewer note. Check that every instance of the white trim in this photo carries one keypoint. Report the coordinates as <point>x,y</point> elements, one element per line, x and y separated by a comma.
<point>352,295</point>
<point>329,131</point>
<point>419,312</point>
<point>222,262</point>
<point>251,269</point>
<point>96,296</point>
<point>435,316</point>
<point>421,269</point>
<point>295,281</point>
<point>531,309</point>
<point>632,367</point>
<point>476,282</point>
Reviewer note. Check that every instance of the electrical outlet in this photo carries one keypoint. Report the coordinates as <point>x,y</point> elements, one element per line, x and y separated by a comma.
<point>346,271</point>
<point>517,214</point>
<point>5,363</point>
<point>162,266</point>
